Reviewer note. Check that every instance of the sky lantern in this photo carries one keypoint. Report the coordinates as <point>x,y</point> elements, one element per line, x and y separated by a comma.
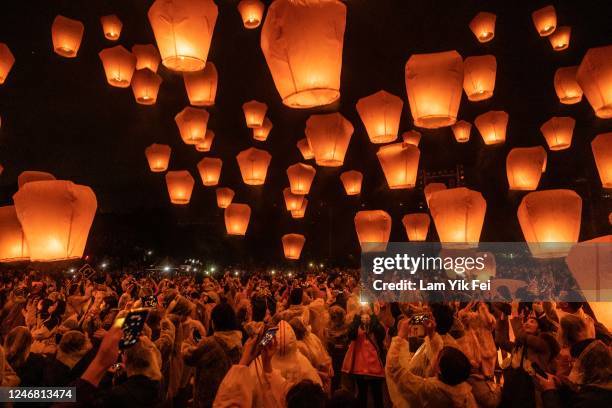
<point>192,124</point>
<point>210,170</point>
<point>302,43</point>
<point>479,77</point>
<point>373,229</point>
<point>483,26</point>
<point>458,214</point>
<point>30,176</point>
<point>300,177</point>
<point>545,20</point>
<point>492,126</point>
<point>13,246</point>
<point>434,85</point>
<point>566,86</point>
<point>251,12</point>
<point>254,165</point>
<point>416,225</point>
<point>560,39</point>
<point>183,31</point>
<point>293,202</point>
<point>590,263</point>
<point>305,149</point>
<point>292,245</point>
<point>524,167</point>
<point>147,56</point>
<point>558,132</point>
<point>297,214</point>
<point>381,113</point>
<point>56,216</point>
<point>206,144</point>
<point>602,151</point>
<point>462,130</point>
<point>412,137</point>
<point>351,180</point>
<point>548,219</point>
<point>158,156</point>
<point>329,136</point>
<point>225,196</point>
<point>6,62</point>
<point>180,186</point>
<point>111,26</point>
<point>595,78</point>
<point>145,86</point>
<point>261,133</point>
<point>400,164</point>
<point>201,86</point>
<point>237,218</point>
<point>119,65</point>
<point>431,188</point>
<point>254,113</point>
<point>66,35</point>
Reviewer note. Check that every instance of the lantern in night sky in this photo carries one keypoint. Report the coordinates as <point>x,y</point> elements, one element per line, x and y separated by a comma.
<point>201,85</point>
<point>381,114</point>
<point>590,263</point>
<point>566,86</point>
<point>206,144</point>
<point>56,216</point>
<point>462,130</point>
<point>300,178</point>
<point>261,133</point>
<point>183,31</point>
<point>412,137</point>
<point>400,164</point>
<point>147,56</point>
<point>431,188</point>
<point>416,225</point>
<point>492,126</point>
<point>13,246</point>
<point>305,149</point>
<point>66,35</point>
<point>545,20</point>
<point>180,186</point>
<point>210,170</point>
<point>158,156</point>
<point>192,124</point>
<point>254,113</point>
<point>524,167</point>
<point>351,180</point>
<point>145,85</point>
<point>6,62</point>
<point>560,39</point>
<point>297,214</point>
<point>434,85</point>
<point>111,26</point>
<point>293,202</point>
<point>558,132</point>
<point>373,229</point>
<point>30,176</point>
<point>329,136</point>
<point>237,218</point>
<point>119,65</point>
<point>292,245</point>
<point>254,165</point>
<point>251,12</point>
<point>225,196</point>
<point>549,219</point>
<point>483,26</point>
<point>458,214</point>
<point>595,78</point>
<point>479,77</point>
<point>602,151</point>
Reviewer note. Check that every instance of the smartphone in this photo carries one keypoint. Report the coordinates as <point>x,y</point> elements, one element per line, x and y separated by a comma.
<point>538,370</point>
<point>132,326</point>
<point>149,301</point>
<point>268,336</point>
<point>196,336</point>
<point>419,319</point>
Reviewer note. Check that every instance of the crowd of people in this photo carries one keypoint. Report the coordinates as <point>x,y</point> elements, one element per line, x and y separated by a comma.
<point>306,340</point>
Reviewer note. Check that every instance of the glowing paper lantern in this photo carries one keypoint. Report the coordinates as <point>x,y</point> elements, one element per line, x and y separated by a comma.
<point>590,263</point>
<point>381,114</point>
<point>412,137</point>
<point>302,42</point>
<point>147,56</point>
<point>416,225</point>
<point>119,65</point>
<point>251,12</point>
<point>145,86</point>
<point>351,180</point>
<point>293,202</point>
<point>13,246</point>
<point>595,78</point>
<point>524,167</point>
<point>373,229</point>
<point>201,85</point>
<point>206,144</point>
<point>560,39</point>
<point>66,35</point>
<point>210,170</point>
<point>558,132</point>
<point>492,126</point>
<point>458,214</point>
<point>329,136</point>
<point>602,151</point>
<point>237,218</point>
<point>158,156</point>
<point>254,113</point>
<point>305,149</point>
<point>55,216</point>
<point>261,133</point>
<point>483,26</point>
<point>180,186</point>
<point>400,164</point>
<point>254,165</point>
<point>111,25</point>
<point>30,176</point>
<point>479,77</point>
<point>192,124</point>
<point>292,245</point>
<point>434,85</point>
<point>300,178</point>
<point>225,196</point>
<point>6,62</point>
<point>302,211</point>
<point>566,86</point>
<point>549,219</point>
<point>432,188</point>
<point>462,130</point>
<point>183,31</point>
<point>545,20</point>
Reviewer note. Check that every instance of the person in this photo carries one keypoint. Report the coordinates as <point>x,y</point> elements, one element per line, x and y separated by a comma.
<point>312,348</point>
<point>294,308</point>
<point>60,368</point>
<point>28,366</point>
<point>289,361</point>
<point>336,342</point>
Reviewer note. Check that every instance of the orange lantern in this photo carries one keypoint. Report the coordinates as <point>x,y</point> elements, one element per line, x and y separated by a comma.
<point>602,151</point>
<point>416,225</point>
<point>111,25</point>
<point>329,136</point>
<point>302,211</point>
<point>237,218</point>
<point>492,126</point>
<point>145,86</point>
<point>6,62</point>
<point>458,214</point>
<point>432,188</point>
<point>210,170</point>
<point>560,39</point>
<point>351,180</point>
<point>400,164</point>
<point>192,124</point>
<point>483,26</point>
<point>549,219</point>
<point>381,114</point>
<point>595,78</point>
<point>206,144</point>
<point>119,65</point>
<point>292,245</point>
<point>305,149</point>
<point>180,186</point>
<point>224,197</point>
<point>302,43</point>
<point>373,229</point>
<point>412,137</point>
<point>524,167</point>
<point>590,262</point>
<point>462,130</point>
<point>300,178</point>
<point>558,132</point>
<point>566,86</point>
<point>545,20</point>
<point>201,85</point>
<point>30,176</point>
<point>56,216</point>
<point>183,31</point>
<point>147,56</point>
<point>254,165</point>
<point>433,84</point>
<point>158,156</point>
<point>13,246</point>
<point>479,77</point>
<point>261,133</point>
<point>251,12</point>
<point>66,35</point>
<point>293,202</point>
<point>254,113</point>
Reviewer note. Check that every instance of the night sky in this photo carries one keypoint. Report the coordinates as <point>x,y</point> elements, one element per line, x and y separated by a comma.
<point>59,115</point>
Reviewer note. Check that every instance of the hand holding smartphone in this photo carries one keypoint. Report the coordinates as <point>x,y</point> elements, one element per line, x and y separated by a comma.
<point>131,326</point>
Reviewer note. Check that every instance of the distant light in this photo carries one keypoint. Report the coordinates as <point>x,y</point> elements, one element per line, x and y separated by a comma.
<point>166,268</point>
<point>212,268</point>
<point>321,265</point>
<point>72,270</point>
<point>289,274</point>
<point>273,272</point>
<point>236,273</point>
<point>363,302</point>
<point>149,252</point>
<point>311,264</point>
<point>188,268</point>
<point>207,272</point>
<point>195,269</point>
<point>104,265</point>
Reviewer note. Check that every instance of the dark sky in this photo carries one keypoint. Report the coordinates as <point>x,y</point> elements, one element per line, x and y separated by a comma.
<point>59,115</point>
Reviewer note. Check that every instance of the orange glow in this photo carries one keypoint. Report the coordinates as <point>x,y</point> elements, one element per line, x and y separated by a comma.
<point>329,136</point>
<point>111,26</point>
<point>261,133</point>
<point>412,137</point>
<point>566,86</point>
<point>30,176</point>
<point>373,229</point>
<point>483,26</point>
<point>254,113</point>
<point>302,211</point>
<point>560,39</point>
<point>237,218</point>
<point>225,196</point>
<point>180,186</point>
<point>158,156</point>
<point>13,246</point>
<point>590,262</point>
<point>558,132</point>
<point>6,62</point>
<point>251,12</point>
<point>602,151</point>
<point>479,77</point>
<point>210,170</point>
<point>292,245</point>
<point>305,149</point>
<point>381,114</point>
<point>432,188</point>
<point>492,126</point>
<point>147,56</point>
<point>201,86</point>
<point>66,35</point>
<point>254,165</point>
<point>300,177</point>
<point>351,180</point>
<point>400,164</point>
<point>595,78</point>
<point>524,167</point>
<point>206,144</point>
<point>545,20</point>
<point>192,124</point>
<point>417,226</point>
<point>462,130</point>
<point>145,86</point>
<point>119,65</point>
<point>293,202</point>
